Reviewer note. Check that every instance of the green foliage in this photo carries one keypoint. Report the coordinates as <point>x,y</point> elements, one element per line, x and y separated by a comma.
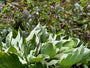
<point>48,49</point>
<point>33,53</point>
<point>9,60</point>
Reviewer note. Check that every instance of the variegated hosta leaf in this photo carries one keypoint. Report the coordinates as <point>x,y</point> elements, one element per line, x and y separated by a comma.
<point>5,46</point>
<point>86,57</point>
<point>69,59</point>
<point>39,58</point>
<point>36,59</point>
<point>35,31</point>
<point>52,62</point>
<point>30,45</point>
<point>17,46</point>
<point>8,39</point>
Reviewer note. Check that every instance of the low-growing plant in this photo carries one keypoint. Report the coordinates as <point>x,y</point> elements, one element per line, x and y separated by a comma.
<point>43,50</point>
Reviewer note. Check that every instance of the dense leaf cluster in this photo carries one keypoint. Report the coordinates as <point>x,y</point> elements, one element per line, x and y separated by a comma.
<point>43,50</point>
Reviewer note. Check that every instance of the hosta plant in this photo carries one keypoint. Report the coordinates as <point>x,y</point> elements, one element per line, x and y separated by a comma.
<point>42,50</point>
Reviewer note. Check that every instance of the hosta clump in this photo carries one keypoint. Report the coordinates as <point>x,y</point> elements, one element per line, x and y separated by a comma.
<point>45,50</point>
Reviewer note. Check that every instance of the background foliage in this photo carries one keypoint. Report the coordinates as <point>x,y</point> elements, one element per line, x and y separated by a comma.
<point>73,17</point>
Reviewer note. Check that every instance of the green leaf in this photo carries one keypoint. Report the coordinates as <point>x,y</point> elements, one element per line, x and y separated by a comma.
<point>70,59</point>
<point>58,37</point>
<point>39,58</point>
<point>68,51</point>
<point>30,45</point>
<point>43,37</point>
<point>76,40</point>
<point>59,45</point>
<point>36,59</point>
<point>86,57</point>
<point>69,44</point>
<point>0,48</point>
<point>9,60</point>
<point>12,49</point>
<point>48,49</point>
<point>39,65</point>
